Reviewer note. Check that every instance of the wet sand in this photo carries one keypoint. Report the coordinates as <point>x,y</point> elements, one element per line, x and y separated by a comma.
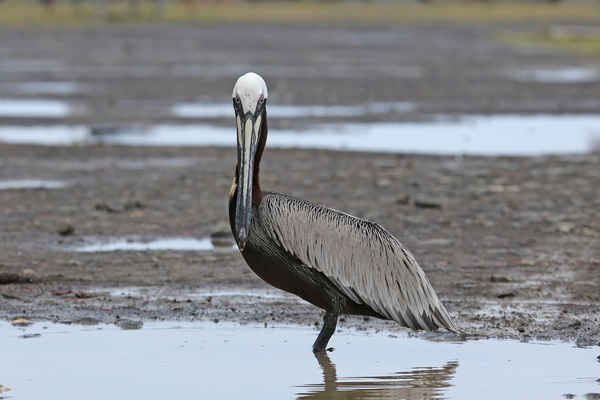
<point>509,244</point>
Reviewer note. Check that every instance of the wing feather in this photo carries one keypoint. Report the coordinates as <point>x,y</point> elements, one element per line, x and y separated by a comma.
<point>361,259</point>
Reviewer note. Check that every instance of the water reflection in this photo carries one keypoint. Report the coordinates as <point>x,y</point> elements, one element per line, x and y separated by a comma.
<point>418,383</point>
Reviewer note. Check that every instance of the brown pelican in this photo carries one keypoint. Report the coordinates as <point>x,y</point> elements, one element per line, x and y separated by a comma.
<point>331,259</point>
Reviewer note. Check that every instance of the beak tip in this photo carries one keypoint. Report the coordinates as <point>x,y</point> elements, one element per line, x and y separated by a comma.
<point>242,239</point>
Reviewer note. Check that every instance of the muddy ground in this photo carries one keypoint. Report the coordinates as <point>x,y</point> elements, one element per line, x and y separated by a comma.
<point>510,244</point>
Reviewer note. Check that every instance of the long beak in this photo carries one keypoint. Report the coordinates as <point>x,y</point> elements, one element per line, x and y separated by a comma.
<point>248,134</point>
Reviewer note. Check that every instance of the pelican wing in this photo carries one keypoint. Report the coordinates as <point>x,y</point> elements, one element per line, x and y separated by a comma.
<point>365,262</point>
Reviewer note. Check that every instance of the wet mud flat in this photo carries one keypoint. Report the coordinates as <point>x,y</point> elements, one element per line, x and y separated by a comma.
<point>509,243</point>
<point>141,74</point>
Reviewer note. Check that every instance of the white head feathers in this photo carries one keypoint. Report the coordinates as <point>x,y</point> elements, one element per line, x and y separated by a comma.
<point>250,89</point>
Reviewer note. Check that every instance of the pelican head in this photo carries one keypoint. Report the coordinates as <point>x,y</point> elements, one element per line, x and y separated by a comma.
<point>249,99</point>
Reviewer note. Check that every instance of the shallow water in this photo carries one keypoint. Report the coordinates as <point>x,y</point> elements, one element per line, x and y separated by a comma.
<point>498,135</point>
<point>54,135</point>
<point>32,108</point>
<point>32,184</point>
<point>516,135</point>
<point>202,110</point>
<point>204,360</point>
<point>557,75</point>
<point>154,244</point>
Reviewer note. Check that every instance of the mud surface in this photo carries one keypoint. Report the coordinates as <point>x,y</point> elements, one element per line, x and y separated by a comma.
<point>510,244</point>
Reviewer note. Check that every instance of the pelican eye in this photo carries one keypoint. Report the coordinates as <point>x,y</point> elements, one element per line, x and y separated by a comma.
<point>262,100</point>
<point>237,99</point>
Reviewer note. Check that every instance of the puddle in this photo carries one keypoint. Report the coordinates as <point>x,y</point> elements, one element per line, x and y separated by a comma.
<point>204,360</point>
<point>31,184</point>
<point>30,108</point>
<point>557,75</point>
<point>158,244</point>
<point>496,135</point>
<point>58,88</point>
<point>516,135</point>
<point>54,135</point>
<point>207,111</point>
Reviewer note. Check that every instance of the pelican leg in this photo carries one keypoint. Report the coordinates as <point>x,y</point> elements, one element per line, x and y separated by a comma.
<point>329,323</point>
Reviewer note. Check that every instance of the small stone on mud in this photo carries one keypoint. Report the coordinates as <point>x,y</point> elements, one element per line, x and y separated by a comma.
<point>104,206</point>
<point>427,203</point>
<point>589,232</point>
<point>383,182</point>
<point>28,274</point>
<point>527,261</point>
<point>505,295</point>
<point>565,227</point>
<point>131,204</point>
<point>128,324</point>
<point>83,295</point>
<point>65,228</point>
<point>87,321</point>
<point>10,277</point>
<point>63,291</point>
<point>223,242</point>
<point>403,199</point>
<point>31,336</point>
<point>585,342</point>
<point>221,230</point>
<point>576,324</point>
<point>21,322</point>
<point>501,278</point>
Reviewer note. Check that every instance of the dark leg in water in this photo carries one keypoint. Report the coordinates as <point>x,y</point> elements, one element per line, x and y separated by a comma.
<point>329,323</point>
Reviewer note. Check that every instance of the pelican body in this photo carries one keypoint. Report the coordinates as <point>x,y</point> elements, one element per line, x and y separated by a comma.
<point>340,263</point>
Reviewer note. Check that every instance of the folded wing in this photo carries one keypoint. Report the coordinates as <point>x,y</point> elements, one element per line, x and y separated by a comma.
<point>361,259</point>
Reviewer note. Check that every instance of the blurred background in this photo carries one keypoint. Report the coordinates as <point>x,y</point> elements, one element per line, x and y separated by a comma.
<point>452,77</point>
<point>114,209</point>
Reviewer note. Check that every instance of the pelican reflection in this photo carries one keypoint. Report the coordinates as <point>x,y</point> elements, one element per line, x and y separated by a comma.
<point>420,383</point>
